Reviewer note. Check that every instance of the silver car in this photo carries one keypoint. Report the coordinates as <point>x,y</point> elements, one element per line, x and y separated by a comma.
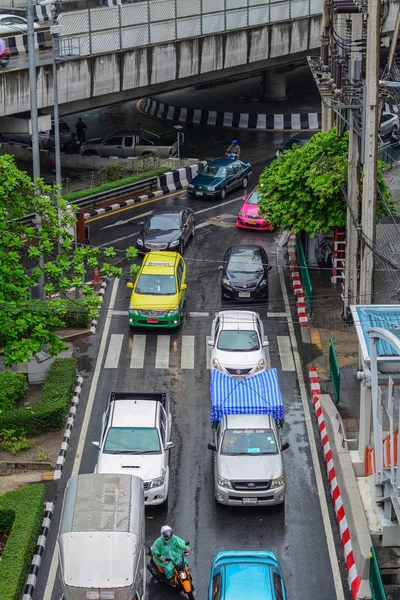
<point>248,466</point>
<point>389,124</point>
<point>14,25</point>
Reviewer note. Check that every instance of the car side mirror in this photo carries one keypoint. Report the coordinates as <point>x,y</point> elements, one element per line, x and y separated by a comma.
<point>141,223</point>
<point>221,267</point>
<point>210,343</point>
<point>244,199</point>
<point>212,447</point>
<point>129,285</point>
<point>265,343</point>
<point>285,446</point>
<point>96,445</point>
<point>169,445</point>
<point>183,286</point>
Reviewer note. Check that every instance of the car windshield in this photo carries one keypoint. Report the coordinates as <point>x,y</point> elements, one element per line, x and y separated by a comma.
<point>249,441</point>
<point>253,198</point>
<point>128,440</point>
<point>156,285</point>
<point>246,262</point>
<point>238,340</point>
<point>214,171</point>
<point>163,222</point>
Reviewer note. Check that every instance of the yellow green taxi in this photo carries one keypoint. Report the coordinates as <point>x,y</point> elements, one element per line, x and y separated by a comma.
<point>158,293</point>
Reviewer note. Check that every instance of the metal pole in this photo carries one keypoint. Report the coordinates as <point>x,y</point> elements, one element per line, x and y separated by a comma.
<point>368,221</point>
<point>178,149</point>
<point>56,112</point>
<point>326,113</point>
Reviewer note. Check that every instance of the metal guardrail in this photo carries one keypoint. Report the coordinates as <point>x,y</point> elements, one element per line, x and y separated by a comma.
<point>342,431</point>
<point>390,153</point>
<point>375,578</point>
<point>334,369</point>
<point>304,273</point>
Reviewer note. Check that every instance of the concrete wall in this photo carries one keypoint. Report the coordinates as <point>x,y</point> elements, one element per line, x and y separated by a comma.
<point>105,79</point>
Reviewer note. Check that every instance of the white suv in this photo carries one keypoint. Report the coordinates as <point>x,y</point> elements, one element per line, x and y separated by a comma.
<point>238,344</point>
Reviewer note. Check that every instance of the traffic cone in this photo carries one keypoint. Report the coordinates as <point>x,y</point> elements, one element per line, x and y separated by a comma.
<point>96,280</point>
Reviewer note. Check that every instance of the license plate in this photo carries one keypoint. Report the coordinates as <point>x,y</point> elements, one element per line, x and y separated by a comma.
<point>199,193</point>
<point>250,500</point>
<point>244,294</point>
<point>152,320</point>
<point>252,222</point>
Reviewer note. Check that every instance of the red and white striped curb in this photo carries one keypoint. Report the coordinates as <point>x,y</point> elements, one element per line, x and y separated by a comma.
<point>354,579</point>
<point>296,282</point>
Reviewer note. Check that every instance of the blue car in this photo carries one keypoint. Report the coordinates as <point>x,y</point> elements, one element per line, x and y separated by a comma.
<point>246,575</point>
<point>219,177</point>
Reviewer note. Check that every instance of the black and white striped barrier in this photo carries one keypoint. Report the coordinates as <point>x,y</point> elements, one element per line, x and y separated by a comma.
<point>118,205</point>
<point>197,116</point>
<point>42,13</point>
<point>179,179</point>
<point>18,44</point>
<point>102,291</point>
<point>37,558</point>
<point>68,428</point>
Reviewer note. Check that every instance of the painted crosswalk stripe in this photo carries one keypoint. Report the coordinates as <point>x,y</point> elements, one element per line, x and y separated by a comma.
<point>285,353</point>
<point>162,352</point>
<point>114,351</point>
<point>208,351</point>
<point>138,351</point>
<point>187,352</point>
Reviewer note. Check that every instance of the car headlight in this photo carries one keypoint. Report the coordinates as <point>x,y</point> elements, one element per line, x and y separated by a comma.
<point>133,310</point>
<point>241,213</point>
<point>191,185</point>
<point>264,283</point>
<point>175,243</point>
<point>216,365</point>
<point>260,366</point>
<point>278,482</point>
<point>157,482</point>
<point>139,241</point>
<point>225,283</point>
<point>225,483</point>
<point>211,189</point>
<point>174,311</point>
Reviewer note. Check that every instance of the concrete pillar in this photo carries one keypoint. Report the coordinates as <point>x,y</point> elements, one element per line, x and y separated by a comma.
<point>273,85</point>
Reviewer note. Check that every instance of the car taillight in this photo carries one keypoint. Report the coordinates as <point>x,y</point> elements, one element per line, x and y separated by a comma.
<point>170,150</point>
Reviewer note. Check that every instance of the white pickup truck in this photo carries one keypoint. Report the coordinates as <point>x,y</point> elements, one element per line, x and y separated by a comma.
<point>128,144</point>
<point>135,439</point>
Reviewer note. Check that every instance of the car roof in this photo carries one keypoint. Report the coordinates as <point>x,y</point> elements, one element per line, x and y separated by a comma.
<point>242,249</point>
<point>135,413</point>
<point>240,567</point>
<point>2,15</point>
<point>169,209</point>
<point>257,421</point>
<point>222,162</point>
<point>237,319</point>
<point>160,263</point>
<point>302,135</point>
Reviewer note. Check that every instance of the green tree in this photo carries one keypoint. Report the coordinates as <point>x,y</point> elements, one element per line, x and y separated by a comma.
<point>26,253</point>
<point>301,189</point>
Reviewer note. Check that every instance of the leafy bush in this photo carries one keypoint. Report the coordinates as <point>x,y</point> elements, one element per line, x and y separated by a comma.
<point>14,440</point>
<point>21,515</point>
<point>49,413</point>
<point>74,196</point>
<point>13,386</point>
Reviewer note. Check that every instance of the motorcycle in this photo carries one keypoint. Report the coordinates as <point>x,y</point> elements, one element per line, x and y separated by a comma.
<point>4,58</point>
<point>231,155</point>
<point>182,577</point>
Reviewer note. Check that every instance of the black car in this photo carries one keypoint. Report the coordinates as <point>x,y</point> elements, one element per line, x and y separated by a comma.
<point>300,139</point>
<point>245,273</point>
<point>167,228</point>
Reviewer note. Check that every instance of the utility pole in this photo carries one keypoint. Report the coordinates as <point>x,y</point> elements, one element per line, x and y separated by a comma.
<point>326,113</point>
<point>370,130</point>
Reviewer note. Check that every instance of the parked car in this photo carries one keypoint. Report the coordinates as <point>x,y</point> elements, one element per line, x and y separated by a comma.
<point>135,439</point>
<point>127,144</point>
<point>46,138</point>
<point>14,25</point>
<point>219,177</point>
<point>167,228</point>
<point>245,274</point>
<point>248,217</point>
<point>246,575</point>
<point>237,342</point>
<point>389,124</point>
<point>300,139</point>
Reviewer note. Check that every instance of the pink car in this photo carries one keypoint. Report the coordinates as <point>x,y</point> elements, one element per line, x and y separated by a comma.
<point>248,216</point>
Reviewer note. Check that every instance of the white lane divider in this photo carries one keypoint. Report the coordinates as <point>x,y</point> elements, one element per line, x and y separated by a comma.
<point>285,353</point>
<point>162,352</point>
<point>187,352</point>
<point>138,352</point>
<point>114,351</point>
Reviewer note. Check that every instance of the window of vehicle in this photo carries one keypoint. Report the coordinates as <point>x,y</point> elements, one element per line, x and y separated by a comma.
<point>278,587</point>
<point>237,167</point>
<point>216,587</point>
<point>113,141</point>
<point>128,141</point>
<point>162,222</point>
<point>214,171</point>
<point>249,441</point>
<point>246,261</point>
<point>253,198</point>
<point>143,142</point>
<point>238,340</point>
<point>385,118</point>
<point>157,285</point>
<point>129,440</point>
<point>230,171</point>
<point>180,273</point>
<point>163,428</point>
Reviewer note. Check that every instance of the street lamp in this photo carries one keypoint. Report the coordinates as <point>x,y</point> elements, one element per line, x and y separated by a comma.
<point>180,138</point>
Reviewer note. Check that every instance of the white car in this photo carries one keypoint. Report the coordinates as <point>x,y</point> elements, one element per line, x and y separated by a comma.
<point>135,440</point>
<point>12,24</point>
<point>238,344</point>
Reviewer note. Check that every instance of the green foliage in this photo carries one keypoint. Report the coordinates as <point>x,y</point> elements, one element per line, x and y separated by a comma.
<point>14,440</point>
<point>112,172</point>
<point>24,326</point>
<point>49,413</point>
<point>21,515</point>
<point>13,387</point>
<point>301,189</point>
<point>74,196</point>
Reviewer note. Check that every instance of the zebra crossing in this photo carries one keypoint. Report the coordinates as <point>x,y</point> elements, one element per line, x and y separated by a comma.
<point>184,352</point>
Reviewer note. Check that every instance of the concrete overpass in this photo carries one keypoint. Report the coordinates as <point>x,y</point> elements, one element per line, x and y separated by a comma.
<point>108,55</point>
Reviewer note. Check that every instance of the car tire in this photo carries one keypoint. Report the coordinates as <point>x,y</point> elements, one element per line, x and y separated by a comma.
<point>394,130</point>
<point>223,194</point>
<point>245,182</point>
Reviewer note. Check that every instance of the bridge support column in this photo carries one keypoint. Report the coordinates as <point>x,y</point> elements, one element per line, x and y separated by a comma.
<point>273,85</point>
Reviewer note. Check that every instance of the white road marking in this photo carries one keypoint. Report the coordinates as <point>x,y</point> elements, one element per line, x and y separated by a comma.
<point>313,448</point>
<point>277,314</point>
<point>199,314</point>
<point>187,352</point>
<point>162,352</point>
<point>285,353</point>
<point>119,313</point>
<point>138,352</point>
<point>208,352</point>
<point>114,351</point>
<point>145,214</point>
<point>82,438</point>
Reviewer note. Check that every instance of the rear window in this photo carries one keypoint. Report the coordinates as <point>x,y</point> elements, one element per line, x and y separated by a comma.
<point>249,441</point>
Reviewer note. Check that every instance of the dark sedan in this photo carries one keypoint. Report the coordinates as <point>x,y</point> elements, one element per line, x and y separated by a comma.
<point>299,140</point>
<point>167,228</point>
<point>245,274</point>
<point>219,177</point>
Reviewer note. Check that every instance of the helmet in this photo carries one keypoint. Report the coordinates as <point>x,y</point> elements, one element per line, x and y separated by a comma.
<point>234,142</point>
<point>166,531</point>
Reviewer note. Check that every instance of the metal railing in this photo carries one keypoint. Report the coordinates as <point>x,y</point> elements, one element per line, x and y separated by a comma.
<point>342,431</point>
<point>334,370</point>
<point>116,28</point>
<point>304,273</point>
<point>375,578</point>
<point>389,153</point>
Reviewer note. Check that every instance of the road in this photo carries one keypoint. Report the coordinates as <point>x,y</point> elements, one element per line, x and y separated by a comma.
<point>302,532</point>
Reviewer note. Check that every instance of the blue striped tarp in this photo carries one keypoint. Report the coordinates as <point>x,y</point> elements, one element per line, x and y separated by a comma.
<point>257,395</point>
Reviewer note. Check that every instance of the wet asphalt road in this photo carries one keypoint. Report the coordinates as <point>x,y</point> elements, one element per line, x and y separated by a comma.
<point>295,532</point>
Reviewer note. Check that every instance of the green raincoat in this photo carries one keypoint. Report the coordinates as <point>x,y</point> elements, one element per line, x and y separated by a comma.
<point>171,548</point>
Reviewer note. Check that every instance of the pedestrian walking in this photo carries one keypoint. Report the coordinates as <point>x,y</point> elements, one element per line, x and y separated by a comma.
<point>140,130</point>
<point>81,128</point>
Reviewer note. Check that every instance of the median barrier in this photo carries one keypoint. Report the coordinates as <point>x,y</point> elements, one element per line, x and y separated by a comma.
<point>18,44</point>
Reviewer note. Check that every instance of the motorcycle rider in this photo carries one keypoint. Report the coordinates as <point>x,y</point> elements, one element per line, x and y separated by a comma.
<point>167,546</point>
<point>233,149</point>
<point>3,52</point>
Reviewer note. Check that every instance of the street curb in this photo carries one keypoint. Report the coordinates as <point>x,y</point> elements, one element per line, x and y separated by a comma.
<point>218,118</point>
<point>37,557</point>
<point>118,205</point>
<point>353,578</point>
<point>68,428</point>
<point>296,282</point>
<point>102,291</point>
